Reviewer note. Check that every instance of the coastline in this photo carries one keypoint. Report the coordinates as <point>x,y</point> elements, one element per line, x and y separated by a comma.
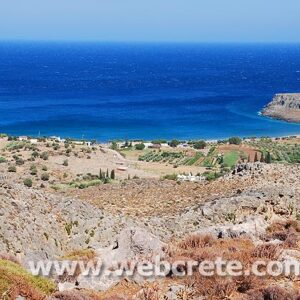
<point>137,140</point>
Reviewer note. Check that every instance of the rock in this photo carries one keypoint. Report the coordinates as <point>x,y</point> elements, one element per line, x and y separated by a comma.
<point>136,242</point>
<point>132,244</point>
<point>252,228</point>
<point>284,107</point>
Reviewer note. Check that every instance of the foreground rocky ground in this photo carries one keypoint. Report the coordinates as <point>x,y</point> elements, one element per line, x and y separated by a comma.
<point>118,220</point>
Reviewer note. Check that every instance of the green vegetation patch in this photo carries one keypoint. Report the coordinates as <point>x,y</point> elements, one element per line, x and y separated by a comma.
<point>278,152</point>
<point>86,184</point>
<point>14,277</point>
<point>175,158</point>
<point>230,158</point>
<point>17,145</point>
<point>194,159</point>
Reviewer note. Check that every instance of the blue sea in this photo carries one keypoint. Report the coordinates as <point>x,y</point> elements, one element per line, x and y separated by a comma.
<point>144,91</point>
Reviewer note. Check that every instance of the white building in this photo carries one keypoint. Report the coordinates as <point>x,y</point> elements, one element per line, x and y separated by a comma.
<point>191,178</point>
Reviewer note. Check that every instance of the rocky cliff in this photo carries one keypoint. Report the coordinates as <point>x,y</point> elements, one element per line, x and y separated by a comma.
<point>284,107</point>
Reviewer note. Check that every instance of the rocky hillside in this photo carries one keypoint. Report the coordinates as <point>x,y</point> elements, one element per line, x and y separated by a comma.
<point>64,223</point>
<point>37,224</point>
<point>284,107</point>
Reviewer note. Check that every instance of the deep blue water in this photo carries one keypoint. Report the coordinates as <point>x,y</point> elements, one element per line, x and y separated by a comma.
<point>109,91</point>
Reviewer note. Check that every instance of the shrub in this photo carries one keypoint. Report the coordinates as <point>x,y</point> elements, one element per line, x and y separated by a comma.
<point>268,158</point>
<point>114,146</point>
<point>210,176</point>
<point>174,143</point>
<point>35,154</point>
<point>27,182</point>
<point>159,142</point>
<point>12,169</point>
<point>65,163</point>
<point>44,168</point>
<point>140,146</point>
<point>170,176</point>
<point>266,251</point>
<point>197,241</point>
<point>235,141</point>
<point>56,146</point>
<point>106,180</point>
<point>200,145</point>
<point>45,177</point>
<point>33,170</point>
<point>2,160</point>
<point>44,155</point>
<point>19,161</point>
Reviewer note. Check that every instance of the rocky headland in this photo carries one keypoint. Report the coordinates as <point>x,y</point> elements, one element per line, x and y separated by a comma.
<point>284,107</point>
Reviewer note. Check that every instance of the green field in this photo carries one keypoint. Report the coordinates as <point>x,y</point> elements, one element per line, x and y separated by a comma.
<point>231,158</point>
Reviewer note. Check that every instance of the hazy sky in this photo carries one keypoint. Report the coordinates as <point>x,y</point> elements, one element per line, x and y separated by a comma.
<point>152,20</point>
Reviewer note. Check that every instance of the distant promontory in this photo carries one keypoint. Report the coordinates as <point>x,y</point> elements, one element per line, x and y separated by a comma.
<point>284,107</point>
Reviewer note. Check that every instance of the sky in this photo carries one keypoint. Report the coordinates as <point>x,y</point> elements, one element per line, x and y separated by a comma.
<point>151,20</point>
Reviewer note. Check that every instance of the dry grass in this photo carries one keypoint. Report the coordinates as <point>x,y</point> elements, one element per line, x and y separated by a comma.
<point>201,248</point>
<point>286,232</point>
<point>14,281</point>
<point>81,255</point>
<point>197,241</point>
<point>75,295</point>
<point>272,292</point>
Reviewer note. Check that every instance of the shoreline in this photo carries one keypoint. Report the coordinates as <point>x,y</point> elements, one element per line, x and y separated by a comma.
<point>94,141</point>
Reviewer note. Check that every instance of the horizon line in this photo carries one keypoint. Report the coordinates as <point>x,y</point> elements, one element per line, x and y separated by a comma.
<point>147,42</point>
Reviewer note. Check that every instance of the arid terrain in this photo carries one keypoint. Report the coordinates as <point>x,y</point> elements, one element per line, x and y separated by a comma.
<point>73,200</point>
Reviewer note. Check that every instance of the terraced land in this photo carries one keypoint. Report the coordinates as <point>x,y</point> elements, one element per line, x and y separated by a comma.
<point>280,151</point>
<point>174,158</point>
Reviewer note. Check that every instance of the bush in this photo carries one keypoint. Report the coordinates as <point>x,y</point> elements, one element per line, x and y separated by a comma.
<point>33,170</point>
<point>12,169</point>
<point>27,182</point>
<point>140,146</point>
<point>114,146</point>
<point>159,142</point>
<point>200,145</point>
<point>174,143</point>
<point>235,141</point>
<point>2,160</point>
<point>268,158</point>
<point>19,161</point>
<point>44,168</point>
<point>45,177</point>
<point>44,155</point>
<point>65,163</point>
<point>170,177</point>
<point>35,154</point>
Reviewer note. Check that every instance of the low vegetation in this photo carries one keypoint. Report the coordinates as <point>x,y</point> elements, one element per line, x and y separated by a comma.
<point>275,151</point>
<point>27,182</point>
<point>15,281</point>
